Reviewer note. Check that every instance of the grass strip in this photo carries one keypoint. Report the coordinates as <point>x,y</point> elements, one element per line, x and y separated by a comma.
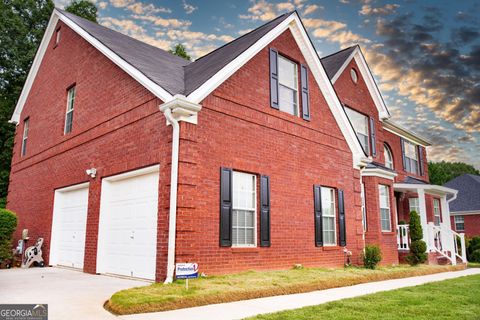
<point>253,284</point>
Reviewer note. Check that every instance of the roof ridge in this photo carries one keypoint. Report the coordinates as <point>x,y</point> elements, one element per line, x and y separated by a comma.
<point>340,51</point>
<point>113,30</point>
<point>244,35</point>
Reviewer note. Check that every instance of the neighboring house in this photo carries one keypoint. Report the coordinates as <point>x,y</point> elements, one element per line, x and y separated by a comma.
<point>258,155</point>
<point>465,208</point>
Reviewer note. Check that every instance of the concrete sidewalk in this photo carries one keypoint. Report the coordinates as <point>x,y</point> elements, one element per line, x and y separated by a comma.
<point>247,308</point>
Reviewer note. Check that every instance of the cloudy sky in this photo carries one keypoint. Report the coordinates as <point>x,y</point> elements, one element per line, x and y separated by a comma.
<point>425,55</point>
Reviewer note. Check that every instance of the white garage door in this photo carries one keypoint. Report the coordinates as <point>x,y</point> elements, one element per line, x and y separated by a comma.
<point>128,224</point>
<point>68,226</point>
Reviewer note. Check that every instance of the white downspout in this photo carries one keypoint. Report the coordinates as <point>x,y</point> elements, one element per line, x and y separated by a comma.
<point>172,224</point>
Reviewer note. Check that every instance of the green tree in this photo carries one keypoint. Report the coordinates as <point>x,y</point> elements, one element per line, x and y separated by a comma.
<point>179,50</point>
<point>8,224</point>
<point>442,172</point>
<point>418,247</point>
<point>84,9</point>
<point>22,24</point>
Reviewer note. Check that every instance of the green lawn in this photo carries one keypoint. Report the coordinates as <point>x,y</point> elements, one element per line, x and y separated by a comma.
<point>450,299</point>
<point>252,284</point>
<point>474,264</point>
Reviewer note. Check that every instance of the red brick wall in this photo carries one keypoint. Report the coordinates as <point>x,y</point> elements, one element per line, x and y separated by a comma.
<point>386,240</point>
<point>472,225</point>
<point>238,129</point>
<point>117,127</point>
<point>404,207</point>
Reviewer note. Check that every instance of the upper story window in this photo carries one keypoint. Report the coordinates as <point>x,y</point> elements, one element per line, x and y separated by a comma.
<point>25,136</point>
<point>360,125</point>
<point>57,36</point>
<point>354,75</point>
<point>385,217</point>
<point>329,217</point>
<point>244,209</point>
<point>387,153</point>
<point>411,157</point>
<point>459,223</point>
<point>287,86</point>
<point>69,114</point>
<point>436,211</point>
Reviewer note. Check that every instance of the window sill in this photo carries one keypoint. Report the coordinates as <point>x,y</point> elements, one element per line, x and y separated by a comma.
<point>388,232</point>
<point>331,248</point>
<point>245,250</point>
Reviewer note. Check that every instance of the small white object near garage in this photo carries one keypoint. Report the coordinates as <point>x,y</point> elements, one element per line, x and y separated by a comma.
<point>127,236</point>
<point>69,226</point>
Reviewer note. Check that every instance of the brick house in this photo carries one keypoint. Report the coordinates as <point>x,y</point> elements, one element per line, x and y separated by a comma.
<point>258,155</point>
<point>465,208</point>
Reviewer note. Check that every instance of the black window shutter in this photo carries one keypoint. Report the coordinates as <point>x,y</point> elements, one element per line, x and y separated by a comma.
<point>225,207</point>
<point>341,219</point>
<point>317,203</point>
<point>274,78</point>
<point>373,137</point>
<point>305,93</point>
<point>404,159</point>
<point>264,211</point>
<point>420,159</point>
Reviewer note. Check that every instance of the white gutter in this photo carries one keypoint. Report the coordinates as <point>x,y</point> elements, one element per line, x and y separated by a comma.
<point>178,109</point>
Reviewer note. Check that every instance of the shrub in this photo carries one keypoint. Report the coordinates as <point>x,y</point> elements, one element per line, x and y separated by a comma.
<point>372,256</point>
<point>472,245</point>
<point>8,224</point>
<point>417,245</point>
<point>475,256</point>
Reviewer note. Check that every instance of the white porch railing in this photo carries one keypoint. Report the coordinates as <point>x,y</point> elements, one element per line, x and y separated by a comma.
<point>403,238</point>
<point>441,239</point>
<point>446,242</point>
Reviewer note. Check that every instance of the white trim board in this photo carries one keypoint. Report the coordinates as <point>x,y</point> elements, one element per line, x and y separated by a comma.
<point>125,66</point>
<point>465,213</point>
<point>357,54</point>
<point>378,172</point>
<point>313,61</point>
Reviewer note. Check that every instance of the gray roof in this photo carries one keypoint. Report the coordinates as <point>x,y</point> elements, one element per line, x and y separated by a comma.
<point>174,74</point>
<point>162,67</point>
<point>468,197</point>
<point>334,62</point>
<point>412,180</point>
<point>204,68</point>
<point>378,166</point>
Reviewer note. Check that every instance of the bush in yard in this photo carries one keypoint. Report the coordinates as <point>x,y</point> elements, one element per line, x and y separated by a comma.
<point>472,245</point>
<point>372,256</point>
<point>475,256</point>
<point>417,245</point>
<point>8,224</point>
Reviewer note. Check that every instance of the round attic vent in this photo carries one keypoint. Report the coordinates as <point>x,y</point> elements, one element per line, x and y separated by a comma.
<point>353,74</point>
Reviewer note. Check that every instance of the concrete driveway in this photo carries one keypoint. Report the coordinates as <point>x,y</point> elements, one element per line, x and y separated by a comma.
<point>69,294</point>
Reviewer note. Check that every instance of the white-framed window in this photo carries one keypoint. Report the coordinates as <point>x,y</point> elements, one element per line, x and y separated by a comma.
<point>69,114</point>
<point>329,220</point>
<point>364,207</point>
<point>384,201</point>
<point>459,223</point>
<point>387,153</point>
<point>25,136</point>
<point>411,157</point>
<point>413,205</point>
<point>244,210</point>
<point>354,75</point>
<point>360,125</point>
<point>57,36</point>
<point>287,86</point>
<point>436,212</point>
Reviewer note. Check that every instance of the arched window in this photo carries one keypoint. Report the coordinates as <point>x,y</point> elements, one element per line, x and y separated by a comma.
<point>387,153</point>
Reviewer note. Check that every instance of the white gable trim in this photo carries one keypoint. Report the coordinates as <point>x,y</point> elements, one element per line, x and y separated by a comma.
<point>125,66</point>
<point>293,23</point>
<point>369,81</point>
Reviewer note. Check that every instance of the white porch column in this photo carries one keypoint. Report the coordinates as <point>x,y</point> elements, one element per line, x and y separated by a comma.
<point>423,215</point>
<point>445,213</point>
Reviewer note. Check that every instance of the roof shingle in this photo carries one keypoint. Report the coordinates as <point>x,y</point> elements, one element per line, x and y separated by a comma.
<point>468,197</point>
